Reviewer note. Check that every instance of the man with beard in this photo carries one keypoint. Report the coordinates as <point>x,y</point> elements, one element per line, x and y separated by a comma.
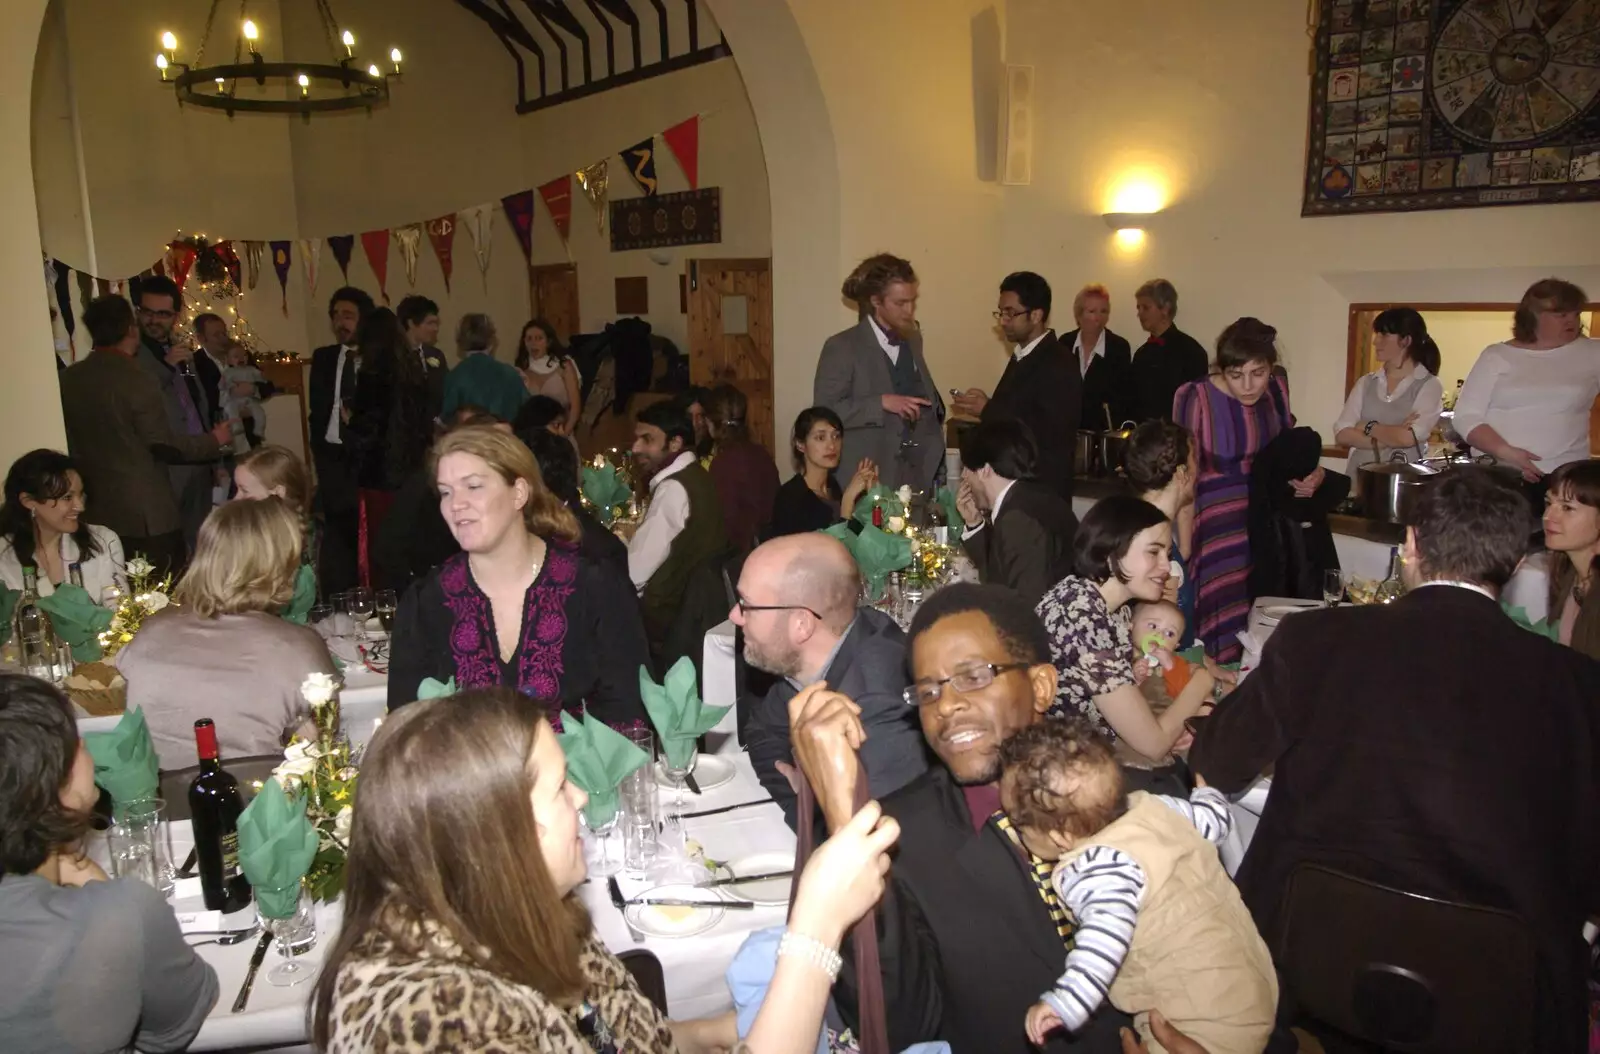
<point>332,388</point>
<point>797,607</point>
<point>969,929</point>
<point>874,376</point>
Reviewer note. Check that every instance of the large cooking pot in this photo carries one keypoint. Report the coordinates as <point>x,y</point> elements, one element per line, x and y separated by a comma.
<point>1110,446</point>
<point>1508,474</point>
<point>1083,450</point>
<point>1387,489</point>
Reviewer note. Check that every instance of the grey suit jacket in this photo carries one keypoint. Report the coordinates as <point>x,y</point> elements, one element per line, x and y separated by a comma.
<point>852,379</point>
<point>119,433</point>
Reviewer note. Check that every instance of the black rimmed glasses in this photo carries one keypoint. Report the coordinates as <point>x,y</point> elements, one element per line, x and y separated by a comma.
<point>970,679</point>
<point>745,607</point>
<point>1007,315</point>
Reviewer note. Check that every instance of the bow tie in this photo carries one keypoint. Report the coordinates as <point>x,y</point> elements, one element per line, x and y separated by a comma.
<point>1158,341</point>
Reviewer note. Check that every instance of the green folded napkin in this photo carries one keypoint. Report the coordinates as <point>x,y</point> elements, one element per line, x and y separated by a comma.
<point>605,490</point>
<point>432,689</point>
<point>276,846</point>
<point>946,498</point>
<point>305,595</point>
<point>879,495</point>
<point>876,553</point>
<point>125,761</point>
<point>599,758</point>
<point>8,606</point>
<point>1544,627</point>
<point>675,709</point>
<point>77,619</point>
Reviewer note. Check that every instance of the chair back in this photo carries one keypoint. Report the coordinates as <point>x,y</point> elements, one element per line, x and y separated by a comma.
<point>645,969</point>
<point>1409,973</point>
<point>175,783</point>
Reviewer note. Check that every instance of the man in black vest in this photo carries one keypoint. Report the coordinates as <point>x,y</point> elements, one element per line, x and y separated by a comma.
<point>1169,357</point>
<point>1041,385</point>
<point>333,385</point>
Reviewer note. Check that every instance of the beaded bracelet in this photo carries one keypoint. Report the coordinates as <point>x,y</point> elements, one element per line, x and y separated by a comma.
<point>812,951</point>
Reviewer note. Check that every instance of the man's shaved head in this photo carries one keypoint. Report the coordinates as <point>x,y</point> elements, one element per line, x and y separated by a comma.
<point>812,578</point>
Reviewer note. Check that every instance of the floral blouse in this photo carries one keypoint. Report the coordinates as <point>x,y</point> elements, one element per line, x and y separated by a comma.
<point>1090,646</point>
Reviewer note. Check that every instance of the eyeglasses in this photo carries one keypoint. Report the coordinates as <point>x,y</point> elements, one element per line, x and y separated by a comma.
<point>157,314</point>
<point>745,607</point>
<point>1007,315</point>
<point>971,679</point>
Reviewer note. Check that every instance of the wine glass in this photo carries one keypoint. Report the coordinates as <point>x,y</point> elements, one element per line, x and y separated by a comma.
<point>361,606</point>
<point>384,602</point>
<point>601,818</point>
<point>678,776</point>
<point>294,934</point>
<point>1332,587</point>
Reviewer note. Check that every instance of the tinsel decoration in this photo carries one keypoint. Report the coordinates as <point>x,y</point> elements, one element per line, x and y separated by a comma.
<point>594,182</point>
<point>409,239</point>
<point>253,251</point>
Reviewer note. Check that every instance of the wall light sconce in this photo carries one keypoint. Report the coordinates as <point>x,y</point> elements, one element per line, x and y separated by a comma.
<point>1127,221</point>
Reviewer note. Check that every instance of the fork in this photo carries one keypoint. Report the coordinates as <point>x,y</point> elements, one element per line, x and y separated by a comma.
<point>620,902</point>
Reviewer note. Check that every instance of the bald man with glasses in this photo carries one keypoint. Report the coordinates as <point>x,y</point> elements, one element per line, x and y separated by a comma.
<point>797,606</point>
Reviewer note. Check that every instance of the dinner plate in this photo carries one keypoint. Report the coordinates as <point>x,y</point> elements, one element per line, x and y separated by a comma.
<point>771,891</point>
<point>710,771</point>
<point>1278,612</point>
<point>656,921</point>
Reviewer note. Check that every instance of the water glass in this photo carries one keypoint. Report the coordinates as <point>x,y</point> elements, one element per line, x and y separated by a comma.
<point>295,935</point>
<point>138,838</point>
<point>1332,587</point>
<point>678,777</point>
<point>640,817</point>
<point>601,820</point>
<point>362,606</point>
<point>385,602</point>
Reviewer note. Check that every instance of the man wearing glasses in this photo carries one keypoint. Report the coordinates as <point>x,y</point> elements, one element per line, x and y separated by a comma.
<point>1041,386</point>
<point>969,929</point>
<point>797,606</point>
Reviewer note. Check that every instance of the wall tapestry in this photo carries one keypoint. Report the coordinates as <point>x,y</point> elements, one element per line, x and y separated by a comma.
<point>689,217</point>
<point>1447,104</point>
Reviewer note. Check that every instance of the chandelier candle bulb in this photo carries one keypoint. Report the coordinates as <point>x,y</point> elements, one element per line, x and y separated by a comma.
<point>394,57</point>
<point>372,71</point>
<point>161,64</point>
<point>305,85</point>
<point>349,40</point>
<point>250,34</point>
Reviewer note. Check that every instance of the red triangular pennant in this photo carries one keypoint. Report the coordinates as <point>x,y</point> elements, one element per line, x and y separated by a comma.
<point>180,257</point>
<point>519,210</point>
<point>557,195</point>
<point>442,236</point>
<point>684,139</point>
<point>376,246</point>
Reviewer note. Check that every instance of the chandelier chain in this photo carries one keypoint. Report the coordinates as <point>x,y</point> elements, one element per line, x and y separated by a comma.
<point>205,37</point>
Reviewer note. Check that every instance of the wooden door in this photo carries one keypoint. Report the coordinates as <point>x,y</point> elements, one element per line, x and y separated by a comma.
<point>554,294</point>
<point>730,334</point>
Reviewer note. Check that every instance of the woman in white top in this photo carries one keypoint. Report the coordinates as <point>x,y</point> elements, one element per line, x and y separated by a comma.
<point>547,369</point>
<point>41,526</point>
<point>1527,400</point>
<point>1396,406</point>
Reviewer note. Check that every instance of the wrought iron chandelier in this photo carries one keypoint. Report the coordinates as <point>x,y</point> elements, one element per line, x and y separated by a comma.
<point>309,87</point>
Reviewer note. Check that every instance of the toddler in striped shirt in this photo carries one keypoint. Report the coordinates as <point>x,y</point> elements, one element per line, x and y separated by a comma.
<point>1160,925</point>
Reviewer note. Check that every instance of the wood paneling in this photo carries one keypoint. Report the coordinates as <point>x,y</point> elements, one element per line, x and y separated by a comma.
<point>633,295</point>
<point>741,359</point>
<point>553,291</point>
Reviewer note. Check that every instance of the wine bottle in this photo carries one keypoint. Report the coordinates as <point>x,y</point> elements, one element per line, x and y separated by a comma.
<point>38,650</point>
<point>1391,588</point>
<point>214,806</point>
<point>75,574</point>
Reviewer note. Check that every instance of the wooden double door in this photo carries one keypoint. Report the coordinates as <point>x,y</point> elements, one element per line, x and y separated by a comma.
<point>730,334</point>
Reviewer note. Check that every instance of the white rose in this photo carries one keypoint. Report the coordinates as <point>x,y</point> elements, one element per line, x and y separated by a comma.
<point>139,566</point>
<point>299,761</point>
<point>152,601</point>
<point>897,524</point>
<point>904,494</point>
<point>318,688</point>
<point>341,824</point>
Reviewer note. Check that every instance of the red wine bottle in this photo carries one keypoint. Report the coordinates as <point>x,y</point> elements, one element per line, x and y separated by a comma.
<point>214,808</point>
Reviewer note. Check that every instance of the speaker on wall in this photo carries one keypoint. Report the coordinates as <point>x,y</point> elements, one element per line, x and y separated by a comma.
<point>1016,145</point>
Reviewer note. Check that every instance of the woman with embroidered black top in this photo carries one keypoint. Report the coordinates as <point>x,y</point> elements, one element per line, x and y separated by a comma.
<point>519,606</point>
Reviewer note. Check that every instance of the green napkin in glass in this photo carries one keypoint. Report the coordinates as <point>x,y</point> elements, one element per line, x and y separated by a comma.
<point>876,553</point>
<point>946,497</point>
<point>605,490</point>
<point>8,607</point>
<point>276,846</point>
<point>675,709</point>
<point>882,496</point>
<point>125,761</point>
<point>433,689</point>
<point>77,619</point>
<point>305,595</point>
<point>599,758</point>
<point>1544,627</point>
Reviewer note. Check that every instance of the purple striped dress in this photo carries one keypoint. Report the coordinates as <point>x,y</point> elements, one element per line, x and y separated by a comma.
<point>1229,435</point>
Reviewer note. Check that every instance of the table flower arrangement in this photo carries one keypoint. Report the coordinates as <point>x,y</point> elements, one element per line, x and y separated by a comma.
<point>325,773</point>
<point>607,487</point>
<point>133,605</point>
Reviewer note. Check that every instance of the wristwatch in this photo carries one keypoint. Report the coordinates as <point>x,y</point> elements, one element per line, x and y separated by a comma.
<point>1366,429</point>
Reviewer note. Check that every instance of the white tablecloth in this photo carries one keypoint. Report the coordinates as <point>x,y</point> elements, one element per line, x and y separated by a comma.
<point>718,684</point>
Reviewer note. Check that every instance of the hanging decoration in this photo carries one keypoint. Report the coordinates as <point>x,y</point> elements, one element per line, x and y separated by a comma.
<point>519,210</point>
<point>409,239</point>
<point>280,264</point>
<point>85,286</point>
<point>218,293</point>
<point>557,195</point>
<point>641,161</point>
<point>180,257</point>
<point>688,217</point>
<point>684,141</point>
<point>376,245</point>
<point>594,181</point>
<point>342,244</point>
<point>311,263</point>
<point>442,236</point>
<point>57,275</point>
<point>252,260</point>
<point>230,260</point>
<point>479,221</point>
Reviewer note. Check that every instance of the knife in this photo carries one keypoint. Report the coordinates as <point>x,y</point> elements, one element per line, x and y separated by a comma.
<point>739,880</point>
<point>250,977</point>
<point>689,782</point>
<point>725,808</point>
<point>732,905</point>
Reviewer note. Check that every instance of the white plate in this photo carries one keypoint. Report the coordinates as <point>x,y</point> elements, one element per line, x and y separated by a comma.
<point>710,771</point>
<point>773,890</point>
<point>1278,612</point>
<point>675,922</point>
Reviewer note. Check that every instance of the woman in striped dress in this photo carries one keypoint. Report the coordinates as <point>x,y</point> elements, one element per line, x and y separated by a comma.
<point>1231,414</point>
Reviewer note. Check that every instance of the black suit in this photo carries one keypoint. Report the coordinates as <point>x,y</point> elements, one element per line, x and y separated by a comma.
<point>1161,366</point>
<point>438,371</point>
<point>337,496</point>
<point>1463,764</point>
<point>1028,546</point>
<point>1043,391</point>
<point>1108,382</point>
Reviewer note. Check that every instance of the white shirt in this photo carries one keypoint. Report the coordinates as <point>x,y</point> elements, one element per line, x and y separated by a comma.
<point>1459,585</point>
<point>1536,400</point>
<point>1099,351</point>
<point>1420,389</point>
<point>335,423</point>
<point>103,569</point>
<point>1020,352</point>
<point>994,513</point>
<point>891,350</point>
<point>663,521</point>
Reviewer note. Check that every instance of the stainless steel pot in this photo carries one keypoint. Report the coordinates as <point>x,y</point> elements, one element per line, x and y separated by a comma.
<point>1110,447</point>
<point>1083,450</point>
<point>1387,489</point>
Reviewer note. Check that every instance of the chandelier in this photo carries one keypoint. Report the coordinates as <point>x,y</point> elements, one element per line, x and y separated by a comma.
<point>309,87</point>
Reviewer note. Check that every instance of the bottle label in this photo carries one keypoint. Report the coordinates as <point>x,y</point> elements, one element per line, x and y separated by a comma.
<point>230,855</point>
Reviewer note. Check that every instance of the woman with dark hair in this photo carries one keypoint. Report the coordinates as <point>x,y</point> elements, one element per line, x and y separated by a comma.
<point>558,464</point>
<point>1396,406</point>
<point>1572,536</point>
<point>91,964</point>
<point>746,478</point>
<point>1163,466</point>
<point>389,427</point>
<point>1527,400</point>
<point>547,369</point>
<point>812,500</point>
<point>1231,415</point>
<point>1119,557</point>
<point>41,526</point>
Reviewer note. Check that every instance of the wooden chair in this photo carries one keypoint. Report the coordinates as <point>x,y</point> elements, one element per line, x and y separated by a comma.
<point>175,784</point>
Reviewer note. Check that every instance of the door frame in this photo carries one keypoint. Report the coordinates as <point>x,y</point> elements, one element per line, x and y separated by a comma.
<point>537,308</point>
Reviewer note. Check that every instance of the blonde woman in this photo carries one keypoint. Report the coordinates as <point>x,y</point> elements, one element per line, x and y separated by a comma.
<point>222,652</point>
<point>272,471</point>
<point>519,607</point>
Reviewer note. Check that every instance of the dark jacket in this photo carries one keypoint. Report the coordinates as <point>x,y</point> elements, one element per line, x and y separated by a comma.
<point>702,542</point>
<point>796,510</point>
<point>747,482</point>
<point>319,397</point>
<point>390,427</point>
<point>1028,547</point>
<point>1291,543</point>
<point>210,375</point>
<point>413,538</point>
<point>1160,367</point>
<point>870,668</point>
<point>1108,384</point>
<point>1043,390</point>
<point>438,371</point>
<point>1460,759</point>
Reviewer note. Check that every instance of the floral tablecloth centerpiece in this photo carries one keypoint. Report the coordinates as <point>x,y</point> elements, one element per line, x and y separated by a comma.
<point>324,772</point>
<point>130,607</point>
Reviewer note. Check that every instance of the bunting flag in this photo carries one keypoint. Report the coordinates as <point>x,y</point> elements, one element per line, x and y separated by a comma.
<point>252,260</point>
<point>594,180</point>
<point>442,236</point>
<point>230,259</point>
<point>56,275</point>
<point>519,210</point>
<point>311,263</point>
<point>342,244</point>
<point>479,221</point>
<point>102,287</point>
<point>280,264</point>
<point>557,195</point>
<point>376,245</point>
<point>641,161</point>
<point>180,258</point>
<point>85,287</point>
<point>684,140</point>
<point>409,239</point>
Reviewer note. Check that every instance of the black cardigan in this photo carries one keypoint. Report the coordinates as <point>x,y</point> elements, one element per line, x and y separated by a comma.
<point>797,509</point>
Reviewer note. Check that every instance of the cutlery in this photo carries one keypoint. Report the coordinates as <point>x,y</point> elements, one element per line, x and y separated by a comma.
<point>188,868</point>
<point>619,900</point>
<point>674,902</point>
<point>725,808</point>
<point>688,781</point>
<point>739,880</point>
<point>250,977</point>
<point>226,939</point>
<point>242,934</point>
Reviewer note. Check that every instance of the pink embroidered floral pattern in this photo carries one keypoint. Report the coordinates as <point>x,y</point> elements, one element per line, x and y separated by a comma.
<point>544,627</point>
